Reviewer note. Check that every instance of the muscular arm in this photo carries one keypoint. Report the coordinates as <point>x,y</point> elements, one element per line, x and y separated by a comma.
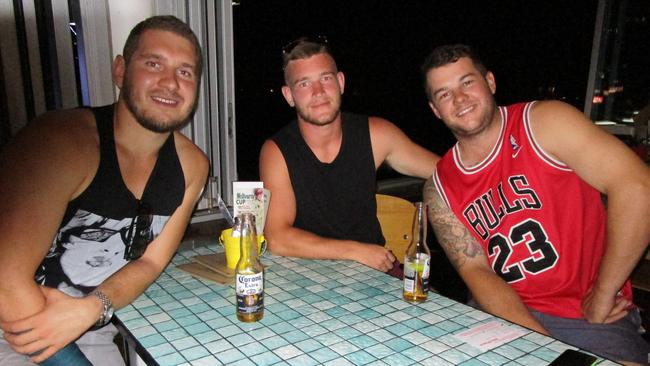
<point>492,293</point>
<point>65,318</point>
<point>129,282</point>
<point>42,169</point>
<point>609,166</point>
<point>391,145</point>
<point>284,239</point>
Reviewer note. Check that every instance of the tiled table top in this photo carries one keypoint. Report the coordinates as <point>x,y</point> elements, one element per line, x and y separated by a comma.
<point>317,312</point>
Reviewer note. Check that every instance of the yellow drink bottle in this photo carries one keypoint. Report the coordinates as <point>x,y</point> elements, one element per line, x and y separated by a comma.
<point>249,273</point>
<point>417,259</point>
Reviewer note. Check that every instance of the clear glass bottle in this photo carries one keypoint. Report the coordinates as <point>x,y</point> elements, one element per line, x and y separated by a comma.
<point>249,273</point>
<point>417,259</point>
<point>236,227</point>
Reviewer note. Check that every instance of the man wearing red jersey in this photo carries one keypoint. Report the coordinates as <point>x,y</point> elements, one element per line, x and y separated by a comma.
<point>516,206</point>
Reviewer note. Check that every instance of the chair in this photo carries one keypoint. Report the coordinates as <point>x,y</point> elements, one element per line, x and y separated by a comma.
<point>395,217</point>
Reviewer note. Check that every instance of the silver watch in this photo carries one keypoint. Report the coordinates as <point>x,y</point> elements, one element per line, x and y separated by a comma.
<point>107,313</point>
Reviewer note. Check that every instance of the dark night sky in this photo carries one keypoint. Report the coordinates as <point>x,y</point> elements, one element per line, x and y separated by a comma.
<point>380,44</point>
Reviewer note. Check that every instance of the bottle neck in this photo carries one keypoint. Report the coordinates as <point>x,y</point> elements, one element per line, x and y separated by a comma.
<point>419,231</point>
<point>248,241</point>
<point>248,247</point>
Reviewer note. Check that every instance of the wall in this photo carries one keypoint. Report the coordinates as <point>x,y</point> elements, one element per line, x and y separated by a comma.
<point>124,15</point>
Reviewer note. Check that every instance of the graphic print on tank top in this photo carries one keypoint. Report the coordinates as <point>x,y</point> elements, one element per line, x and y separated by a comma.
<point>89,248</point>
<point>90,243</point>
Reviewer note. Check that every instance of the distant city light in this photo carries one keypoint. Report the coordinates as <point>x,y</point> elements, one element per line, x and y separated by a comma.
<point>613,90</point>
<point>597,99</point>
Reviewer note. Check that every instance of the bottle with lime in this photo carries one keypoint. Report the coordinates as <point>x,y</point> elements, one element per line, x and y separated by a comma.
<point>417,259</point>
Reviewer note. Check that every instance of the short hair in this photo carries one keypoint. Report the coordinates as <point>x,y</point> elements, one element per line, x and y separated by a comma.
<point>447,54</point>
<point>302,48</point>
<point>167,23</point>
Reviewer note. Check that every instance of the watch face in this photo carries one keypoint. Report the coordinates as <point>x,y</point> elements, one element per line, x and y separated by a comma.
<point>109,314</point>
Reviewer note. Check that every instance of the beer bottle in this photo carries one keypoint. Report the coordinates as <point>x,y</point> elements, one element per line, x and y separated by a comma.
<point>249,273</point>
<point>417,259</point>
<point>236,227</point>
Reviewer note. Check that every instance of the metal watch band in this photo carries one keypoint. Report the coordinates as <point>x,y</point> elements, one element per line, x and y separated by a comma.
<point>107,312</point>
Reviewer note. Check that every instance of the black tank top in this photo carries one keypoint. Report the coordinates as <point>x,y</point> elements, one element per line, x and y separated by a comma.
<point>337,199</point>
<point>89,245</point>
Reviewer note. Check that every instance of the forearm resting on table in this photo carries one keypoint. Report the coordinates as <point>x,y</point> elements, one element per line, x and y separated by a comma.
<point>498,298</point>
<point>124,286</point>
<point>295,242</point>
<point>19,300</point>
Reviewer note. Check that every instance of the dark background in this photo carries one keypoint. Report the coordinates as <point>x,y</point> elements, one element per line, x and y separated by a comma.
<point>536,49</point>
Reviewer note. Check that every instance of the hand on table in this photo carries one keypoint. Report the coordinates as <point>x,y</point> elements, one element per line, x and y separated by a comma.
<point>376,257</point>
<point>62,321</point>
<point>598,307</point>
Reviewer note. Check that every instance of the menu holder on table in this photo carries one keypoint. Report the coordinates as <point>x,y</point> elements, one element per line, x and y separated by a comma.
<point>251,197</point>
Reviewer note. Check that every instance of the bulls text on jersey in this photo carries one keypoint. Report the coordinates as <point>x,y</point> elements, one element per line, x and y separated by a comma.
<point>484,214</point>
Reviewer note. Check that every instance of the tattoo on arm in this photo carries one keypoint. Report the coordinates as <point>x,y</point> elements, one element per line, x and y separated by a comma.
<point>453,236</point>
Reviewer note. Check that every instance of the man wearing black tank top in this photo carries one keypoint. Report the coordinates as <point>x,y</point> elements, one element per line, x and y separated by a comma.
<point>321,168</point>
<point>95,202</point>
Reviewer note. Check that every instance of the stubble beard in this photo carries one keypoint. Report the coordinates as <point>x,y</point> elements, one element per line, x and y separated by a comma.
<point>322,121</point>
<point>485,119</point>
<point>150,122</point>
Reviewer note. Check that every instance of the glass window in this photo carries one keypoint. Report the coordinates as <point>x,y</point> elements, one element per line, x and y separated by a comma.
<point>621,86</point>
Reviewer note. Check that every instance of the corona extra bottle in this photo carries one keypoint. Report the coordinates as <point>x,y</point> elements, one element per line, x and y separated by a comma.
<point>417,259</point>
<point>249,273</point>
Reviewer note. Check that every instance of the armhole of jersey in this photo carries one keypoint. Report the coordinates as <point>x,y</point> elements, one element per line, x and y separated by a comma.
<point>441,191</point>
<point>546,158</point>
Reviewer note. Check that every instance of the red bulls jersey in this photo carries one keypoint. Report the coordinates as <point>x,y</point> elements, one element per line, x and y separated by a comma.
<point>541,227</point>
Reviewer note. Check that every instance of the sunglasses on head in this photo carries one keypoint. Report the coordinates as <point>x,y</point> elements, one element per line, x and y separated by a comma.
<point>320,39</point>
<point>139,235</point>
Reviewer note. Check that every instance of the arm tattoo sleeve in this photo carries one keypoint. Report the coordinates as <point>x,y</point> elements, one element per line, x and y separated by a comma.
<point>453,236</point>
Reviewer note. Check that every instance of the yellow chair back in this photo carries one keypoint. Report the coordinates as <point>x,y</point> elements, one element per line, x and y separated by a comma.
<point>396,219</point>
